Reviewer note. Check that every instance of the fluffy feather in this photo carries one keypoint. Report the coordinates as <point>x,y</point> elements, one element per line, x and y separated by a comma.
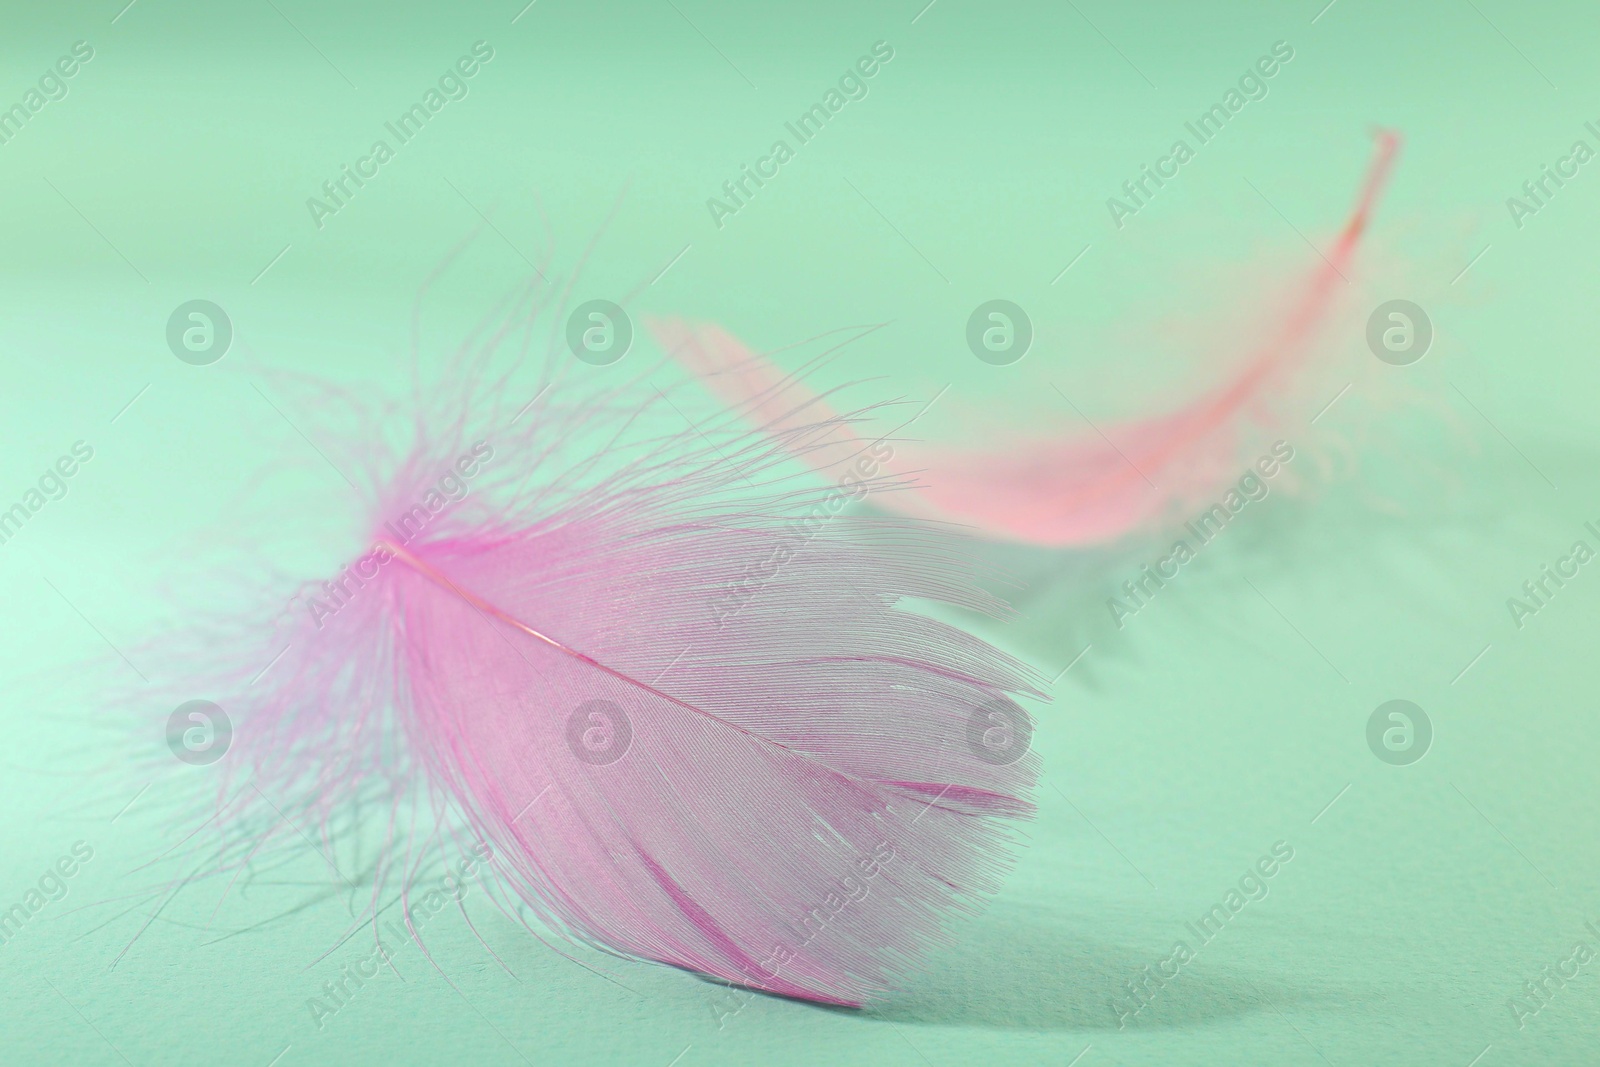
<point>697,713</point>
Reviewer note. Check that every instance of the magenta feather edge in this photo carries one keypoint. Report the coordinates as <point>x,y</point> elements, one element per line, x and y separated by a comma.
<point>696,713</point>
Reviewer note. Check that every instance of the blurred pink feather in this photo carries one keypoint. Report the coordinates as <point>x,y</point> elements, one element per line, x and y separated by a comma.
<point>1060,491</point>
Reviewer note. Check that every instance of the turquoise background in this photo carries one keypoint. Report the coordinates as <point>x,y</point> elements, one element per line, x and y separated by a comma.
<point>1222,719</point>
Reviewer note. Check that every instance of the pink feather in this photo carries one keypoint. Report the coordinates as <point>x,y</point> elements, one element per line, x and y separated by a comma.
<point>1091,487</point>
<point>695,711</point>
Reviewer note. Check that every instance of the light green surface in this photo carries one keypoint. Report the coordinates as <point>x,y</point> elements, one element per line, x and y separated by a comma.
<point>1220,721</point>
